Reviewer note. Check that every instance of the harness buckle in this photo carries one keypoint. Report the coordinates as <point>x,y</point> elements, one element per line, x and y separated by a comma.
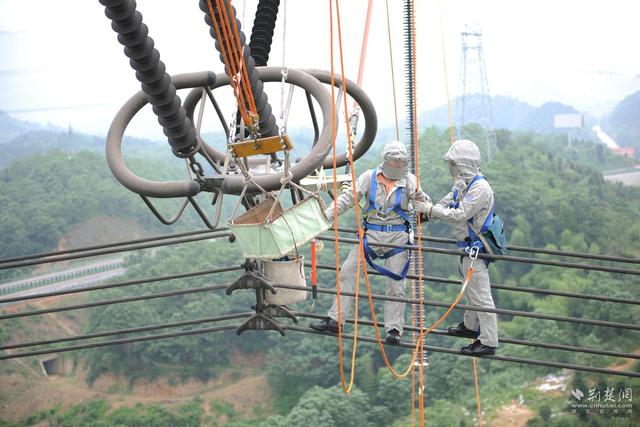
<point>380,214</point>
<point>473,252</point>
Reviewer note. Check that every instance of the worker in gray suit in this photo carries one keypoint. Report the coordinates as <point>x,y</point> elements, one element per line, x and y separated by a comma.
<point>469,209</point>
<point>392,195</point>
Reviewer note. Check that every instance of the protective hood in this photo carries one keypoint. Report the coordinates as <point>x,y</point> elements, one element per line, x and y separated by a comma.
<point>465,156</point>
<point>397,151</point>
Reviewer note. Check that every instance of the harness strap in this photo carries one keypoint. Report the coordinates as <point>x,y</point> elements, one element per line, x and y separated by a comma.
<point>474,240</point>
<point>370,255</point>
<point>397,203</point>
<point>385,228</point>
<point>372,191</point>
<point>456,202</point>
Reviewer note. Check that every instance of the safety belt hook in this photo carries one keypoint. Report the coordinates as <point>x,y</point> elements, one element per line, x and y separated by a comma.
<point>473,252</point>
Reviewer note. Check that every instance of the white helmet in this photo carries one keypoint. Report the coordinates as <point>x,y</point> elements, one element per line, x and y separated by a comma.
<point>464,159</point>
<point>396,151</point>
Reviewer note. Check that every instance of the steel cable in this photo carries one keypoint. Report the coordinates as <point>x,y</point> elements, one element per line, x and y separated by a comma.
<point>498,257</point>
<point>120,341</point>
<point>128,330</point>
<point>512,359</point>
<point>507,288</point>
<point>481,309</point>
<point>551,346</point>
<point>121,284</point>
<point>109,245</point>
<point>113,301</point>
<point>92,253</point>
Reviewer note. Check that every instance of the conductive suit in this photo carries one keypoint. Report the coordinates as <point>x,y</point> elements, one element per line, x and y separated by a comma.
<point>382,214</point>
<point>472,202</point>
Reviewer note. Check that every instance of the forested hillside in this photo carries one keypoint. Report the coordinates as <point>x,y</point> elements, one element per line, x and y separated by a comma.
<point>548,197</point>
<point>46,195</point>
<point>510,113</point>
<point>624,121</point>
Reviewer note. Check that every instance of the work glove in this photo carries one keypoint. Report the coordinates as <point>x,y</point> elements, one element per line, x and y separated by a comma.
<point>424,207</point>
<point>329,214</point>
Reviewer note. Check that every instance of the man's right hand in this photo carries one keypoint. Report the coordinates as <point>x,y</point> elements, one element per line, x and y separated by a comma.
<point>329,214</point>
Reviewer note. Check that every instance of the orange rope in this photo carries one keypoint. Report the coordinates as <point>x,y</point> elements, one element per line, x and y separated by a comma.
<point>475,376</point>
<point>452,138</point>
<point>240,52</point>
<point>365,40</point>
<point>399,375</point>
<point>227,61</point>
<point>361,256</point>
<point>234,60</point>
<point>347,389</point>
<point>393,78</point>
<point>424,332</point>
<point>236,53</point>
<point>355,192</point>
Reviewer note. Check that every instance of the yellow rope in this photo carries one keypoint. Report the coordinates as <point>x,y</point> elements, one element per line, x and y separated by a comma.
<point>446,77</point>
<point>393,78</point>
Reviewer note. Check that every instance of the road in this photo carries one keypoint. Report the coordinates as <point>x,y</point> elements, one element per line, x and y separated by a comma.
<point>71,283</point>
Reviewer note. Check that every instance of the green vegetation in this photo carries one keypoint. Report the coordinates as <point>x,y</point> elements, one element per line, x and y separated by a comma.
<point>548,196</point>
<point>622,123</point>
<point>43,197</point>
<point>98,413</point>
<point>197,356</point>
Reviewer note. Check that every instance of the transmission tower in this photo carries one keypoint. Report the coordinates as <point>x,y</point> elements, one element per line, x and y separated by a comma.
<point>474,116</point>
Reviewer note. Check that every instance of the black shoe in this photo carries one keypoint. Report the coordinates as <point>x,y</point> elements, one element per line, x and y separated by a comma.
<point>478,349</point>
<point>325,325</point>
<point>393,336</point>
<point>462,331</point>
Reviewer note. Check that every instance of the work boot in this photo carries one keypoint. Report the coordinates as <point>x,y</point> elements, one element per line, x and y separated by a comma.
<point>462,331</point>
<point>325,325</point>
<point>393,336</point>
<point>478,349</point>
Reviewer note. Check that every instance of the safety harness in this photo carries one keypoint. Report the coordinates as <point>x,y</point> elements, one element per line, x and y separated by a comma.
<point>473,241</point>
<point>369,253</point>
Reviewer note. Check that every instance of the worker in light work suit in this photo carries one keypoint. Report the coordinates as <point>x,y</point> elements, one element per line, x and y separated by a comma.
<point>391,194</point>
<point>468,207</point>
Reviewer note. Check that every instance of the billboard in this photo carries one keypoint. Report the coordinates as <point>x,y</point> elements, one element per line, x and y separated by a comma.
<point>563,121</point>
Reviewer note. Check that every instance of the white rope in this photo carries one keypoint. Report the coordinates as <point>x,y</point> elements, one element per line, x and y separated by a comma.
<point>284,72</point>
<point>244,10</point>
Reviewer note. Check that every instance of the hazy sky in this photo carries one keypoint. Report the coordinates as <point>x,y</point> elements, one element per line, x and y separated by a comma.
<point>65,55</point>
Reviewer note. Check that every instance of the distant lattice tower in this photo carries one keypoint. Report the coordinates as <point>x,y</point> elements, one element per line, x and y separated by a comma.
<point>473,105</point>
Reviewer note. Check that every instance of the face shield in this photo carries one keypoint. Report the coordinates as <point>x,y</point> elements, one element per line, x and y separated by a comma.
<point>395,160</point>
<point>394,168</point>
<point>453,169</point>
